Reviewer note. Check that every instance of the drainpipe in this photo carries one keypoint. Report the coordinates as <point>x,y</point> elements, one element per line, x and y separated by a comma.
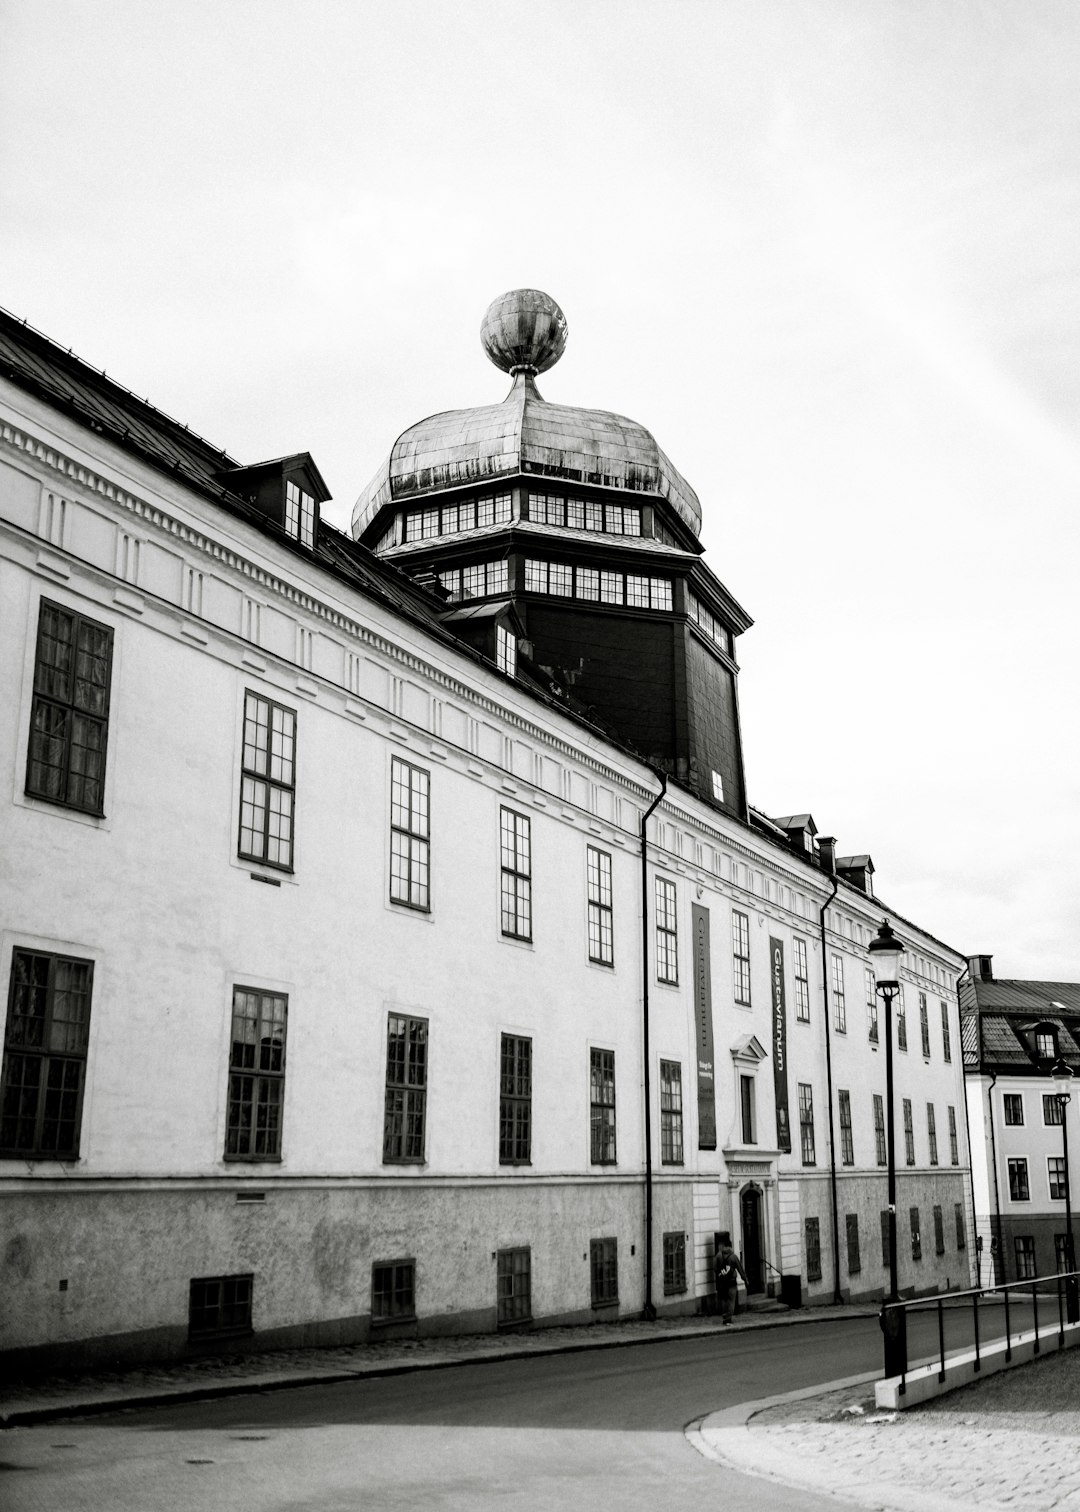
<point>997,1193</point>
<point>967,1114</point>
<point>649,1310</point>
<point>830,856</point>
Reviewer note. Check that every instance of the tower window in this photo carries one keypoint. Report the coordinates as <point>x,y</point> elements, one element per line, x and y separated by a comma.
<point>505,651</point>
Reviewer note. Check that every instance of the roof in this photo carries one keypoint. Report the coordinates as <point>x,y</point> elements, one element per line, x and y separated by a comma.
<point>1043,998</point>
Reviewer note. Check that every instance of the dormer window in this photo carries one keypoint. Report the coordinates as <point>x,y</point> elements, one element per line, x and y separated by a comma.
<point>1045,1048</point>
<point>299,514</point>
<point>505,651</point>
<point>286,491</point>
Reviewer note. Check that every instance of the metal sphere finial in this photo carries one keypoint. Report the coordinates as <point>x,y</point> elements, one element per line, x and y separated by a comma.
<point>523,331</point>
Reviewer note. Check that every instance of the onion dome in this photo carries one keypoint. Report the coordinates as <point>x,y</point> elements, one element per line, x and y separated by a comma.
<point>524,333</point>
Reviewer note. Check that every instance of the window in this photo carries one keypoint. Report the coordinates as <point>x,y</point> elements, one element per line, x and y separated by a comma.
<point>47,1033</point>
<point>886,1236</point>
<point>901,1020</point>
<point>601,937</point>
<point>515,1100</point>
<point>602,1107</point>
<point>961,1234</point>
<point>465,514</point>
<point>746,1106</point>
<point>847,1142</point>
<point>939,1231</point>
<point>1018,1179</point>
<point>219,1307</point>
<point>667,933</point>
<point>924,1025</point>
<point>718,787</point>
<point>916,1236</point>
<point>393,1291</point>
<point>604,1271</point>
<point>707,622</point>
<point>587,583</point>
<point>931,1132</point>
<point>871,1006</point>
<point>406,1088</point>
<point>477,580</point>
<point>881,1149</point>
<point>1051,1109</point>
<point>740,948</point>
<point>813,1249</point>
<point>1061,1253</point>
<point>946,1037</point>
<point>839,1005</point>
<point>854,1262</point>
<point>954,1149</point>
<point>268,782</point>
<point>69,715</point>
<point>516,864</point>
<point>802,982</point>
<point>1014,1107</point>
<point>1025,1257</point>
<point>671,1111</point>
<point>514,1286</point>
<point>674,1264</point>
<point>256,1075</point>
<point>505,651</point>
<point>909,1133</point>
<point>299,514</point>
<point>806,1123</point>
<point>410,844</point>
<point>1045,1047</point>
<point>1055,1170</point>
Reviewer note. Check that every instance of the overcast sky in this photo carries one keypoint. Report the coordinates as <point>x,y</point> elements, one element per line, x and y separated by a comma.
<point>827,251</point>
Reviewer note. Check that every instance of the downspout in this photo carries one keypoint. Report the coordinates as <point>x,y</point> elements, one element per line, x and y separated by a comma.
<point>997,1193</point>
<point>649,1310</point>
<point>831,854</point>
<point>967,1117</point>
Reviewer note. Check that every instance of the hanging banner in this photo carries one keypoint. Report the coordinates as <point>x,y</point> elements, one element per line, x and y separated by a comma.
<point>779,1039</point>
<point>706,1071</point>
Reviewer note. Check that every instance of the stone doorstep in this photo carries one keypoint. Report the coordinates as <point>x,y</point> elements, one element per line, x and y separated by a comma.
<point>922,1384</point>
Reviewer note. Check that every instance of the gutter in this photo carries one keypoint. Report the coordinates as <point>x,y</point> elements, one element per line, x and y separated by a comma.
<point>649,1310</point>
<point>837,1298</point>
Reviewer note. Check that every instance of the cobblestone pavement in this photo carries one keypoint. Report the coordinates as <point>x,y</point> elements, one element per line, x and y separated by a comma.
<point>1010,1441</point>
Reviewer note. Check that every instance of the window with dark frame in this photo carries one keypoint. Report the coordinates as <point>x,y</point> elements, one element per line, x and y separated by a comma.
<point>674,1264</point>
<point>1019,1190</point>
<point>393,1291</point>
<point>1061,1253</point>
<point>602,1107</point>
<point>1013,1107</point>
<point>667,933</point>
<point>740,954</point>
<point>604,1271</point>
<point>1051,1109</point>
<point>69,713</point>
<point>505,651</point>
<point>747,1110</point>
<point>924,1025</point>
<point>909,1133</point>
<point>256,1075</point>
<point>1045,1044</point>
<point>946,1035</point>
<point>671,1113</point>
<point>901,1020</point>
<point>802,982</point>
<point>954,1147</point>
<point>406,1089</point>
<point>515,1100</point>
<point>839,1000</point>
<point>513,1286</point>
<point>931,1132</point>
<point>916,1235</point>
<point>299,514</point>
<point>961,1227</point>
<point>1055,1175</point>
<point>219,1307</point>
<point>268,782</point>
<point>854,1260</point>
<point>939,1230</point>
<point>515,855</point>
<point>880,1146</point>
<point>410,835</point>
<point>871,1006</point>
<point>813,1249</point>
<point>886,1232</point>
<point>1025,1257</point>
<point>600,913</point>
<point>806,1123</point>
<point>847,1140</point>
<point>45,1044</point>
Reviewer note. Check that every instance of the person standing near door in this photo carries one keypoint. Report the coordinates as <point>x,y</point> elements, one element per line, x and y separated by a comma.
<point>727,1268</point>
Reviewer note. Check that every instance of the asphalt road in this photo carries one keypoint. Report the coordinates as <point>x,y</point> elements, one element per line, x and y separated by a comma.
<point>596,1426</point>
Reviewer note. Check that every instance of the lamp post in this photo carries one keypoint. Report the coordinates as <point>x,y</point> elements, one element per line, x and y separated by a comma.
<point>885,953</point>
<point>1062,1075</point>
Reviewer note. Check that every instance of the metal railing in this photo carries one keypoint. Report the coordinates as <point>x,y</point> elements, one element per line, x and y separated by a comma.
<point>1062,1288</point>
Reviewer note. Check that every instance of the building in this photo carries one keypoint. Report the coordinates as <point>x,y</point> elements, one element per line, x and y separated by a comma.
<point>1013,1033</point>
<point>323,902</point>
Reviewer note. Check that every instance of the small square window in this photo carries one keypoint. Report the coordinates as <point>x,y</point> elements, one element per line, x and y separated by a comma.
<point>219,1307</point>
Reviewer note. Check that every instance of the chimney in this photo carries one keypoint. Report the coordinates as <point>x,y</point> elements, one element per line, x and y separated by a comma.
<point>826,845</point>
<point>979,967</point>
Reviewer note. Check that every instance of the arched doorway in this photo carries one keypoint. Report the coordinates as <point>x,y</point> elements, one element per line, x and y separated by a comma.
<point>750,1207</point>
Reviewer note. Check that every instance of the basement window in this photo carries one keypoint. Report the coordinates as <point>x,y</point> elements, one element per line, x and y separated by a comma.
<point>219,1307</point>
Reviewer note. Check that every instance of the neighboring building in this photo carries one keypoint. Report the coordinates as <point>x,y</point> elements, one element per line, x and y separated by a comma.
<point>1013,1033</point>
<point>322,915</point>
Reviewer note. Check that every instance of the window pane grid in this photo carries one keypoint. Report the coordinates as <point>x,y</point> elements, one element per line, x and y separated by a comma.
<point>600,913</point>
<point>674,1264</point>
<point>847,1144</point>
<point>909,1133</point>
<point>515,1100</point>
<point>515,856</point>
<point>409,834</point>
<point>393,1291</point>
<point>839,1003</point>
<point>880,1150</point>
<point>740,938</point>
<point>667,936</point>
<point>602,1107</point>
<point>46,1038</point>
<point>406,1088</point>
<point>604,1270</point>
<point>256,1075</point>
<point>871,1006</point>
<point>514,1286</point>
<point>69,711</point>
<point>802,983</point>
<point>267,782</point>
<point>806,1123</point>
<point>671,1113</point>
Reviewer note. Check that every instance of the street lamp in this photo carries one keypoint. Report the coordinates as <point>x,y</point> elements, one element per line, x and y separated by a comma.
<point>885,953</point>
<point>1062,1077</point>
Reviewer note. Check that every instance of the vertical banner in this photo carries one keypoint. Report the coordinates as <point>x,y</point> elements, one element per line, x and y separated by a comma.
<point>779,1039</point>
<point>706,1076</point>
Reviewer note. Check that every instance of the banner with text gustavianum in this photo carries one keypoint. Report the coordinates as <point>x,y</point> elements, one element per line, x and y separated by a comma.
<point>779,1039</point>
<point>706,1071</point>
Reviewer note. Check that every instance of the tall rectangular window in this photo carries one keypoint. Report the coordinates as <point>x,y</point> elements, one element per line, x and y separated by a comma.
<point>1013,1107</point>
<point>946,1037</point>
<point>601,934</point>
<point>847,1141</point>
<point>514,1286</point>
<point>854,1260</point>
<point>747,1109</point>
<point>901,1020</point>
<point>406,1089</point>
<point>1061,1253</point>
<point>1025,1257</point>
<point>256,1075</point>
<point>1055,1173</point>
<point>916,1234</point>
<point>671,1113</point>
<point>880,1147</point>
<point>674,1264</point>
<point>886,1234</point>
<point>939,1230</point>
<point>299,514</point>
<point>667,933</point>
<point>45,1043</point>
<point>1019,1191</point>
<point>69,715</point>
<point>961,1236</point>
<point>802,982</point>
<point>268,782</point>
<point>393,1291</point>
<point>806,1123</point>
<point>515,1100</point>
<point>871,1005</point>
<point>604,1271</point>
<point>1051,1109</point>
<point>839,1002</point>
<point>515,854</point>
<point>813,1249</point>
<point>954,1148</point>
<point>931,1132</point>
<point>602,1107</point>
<point>740,952</point>
<point>909,1133</point>
<point>505,651</point>
<point>410,835</point>
<point>924,1025</point>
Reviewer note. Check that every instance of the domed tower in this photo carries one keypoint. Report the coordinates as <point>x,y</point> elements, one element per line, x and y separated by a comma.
<point>572,526</point>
